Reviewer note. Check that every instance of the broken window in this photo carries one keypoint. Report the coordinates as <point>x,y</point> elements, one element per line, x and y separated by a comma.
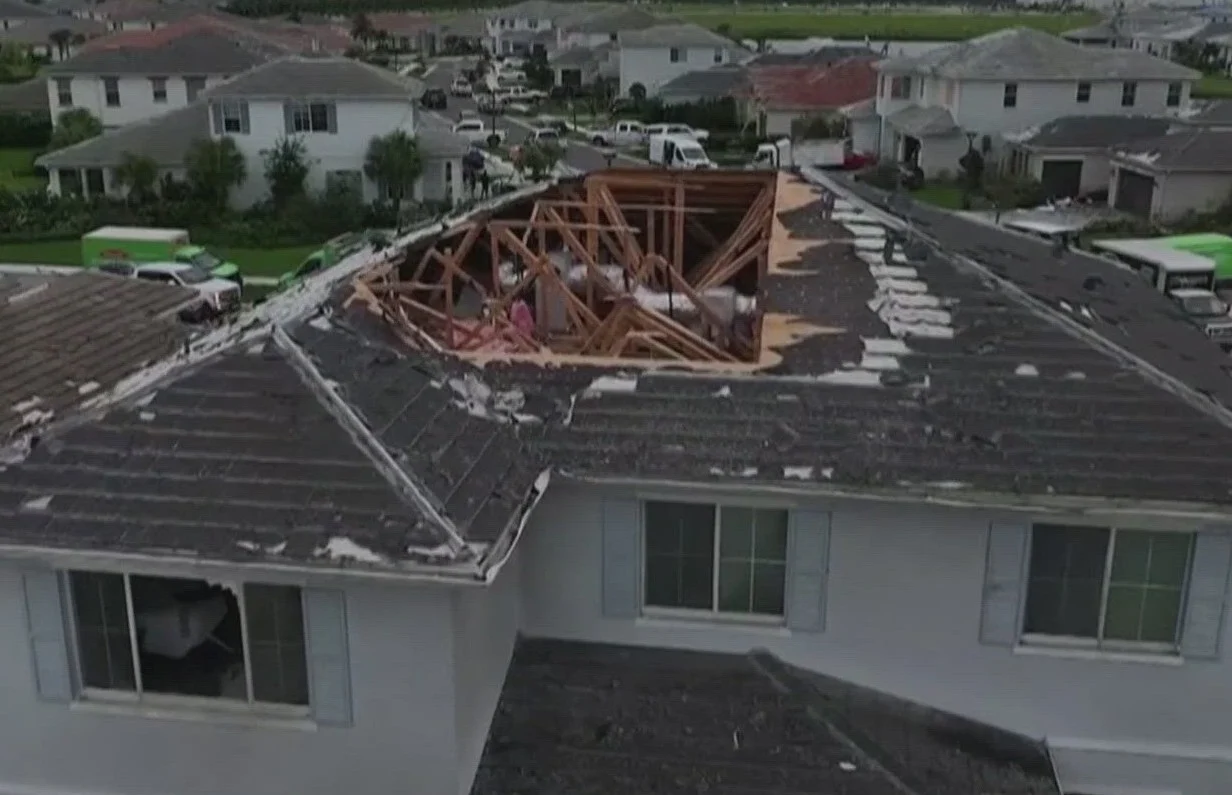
<point>719,559</point>
<point>148,636</point>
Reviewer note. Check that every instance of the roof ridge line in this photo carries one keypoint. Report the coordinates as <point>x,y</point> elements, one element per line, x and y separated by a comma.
<point>1150,372</point>
<point>346,416</point>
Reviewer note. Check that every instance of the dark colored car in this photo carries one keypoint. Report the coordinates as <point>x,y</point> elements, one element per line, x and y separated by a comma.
<point>434,99</point>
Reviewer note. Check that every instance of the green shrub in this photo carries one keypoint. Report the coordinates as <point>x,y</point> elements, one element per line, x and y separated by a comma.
<point>24,130</point>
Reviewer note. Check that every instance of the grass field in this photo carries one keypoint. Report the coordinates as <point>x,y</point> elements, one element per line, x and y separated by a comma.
<point>17,169</point>
<point>1213,87</point>
<point>947,196</point>
<point>270,262</point>
<point>875,24</point>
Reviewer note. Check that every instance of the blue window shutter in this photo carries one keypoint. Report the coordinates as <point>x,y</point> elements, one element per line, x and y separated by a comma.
<point>1208,590</point>
<point>1005,567</point>
<point>216,116</point>
<point>329,665</point>
<point>48,646</point>
<point>288,118</point>
<point>808,568</point>
<point>622,565</point>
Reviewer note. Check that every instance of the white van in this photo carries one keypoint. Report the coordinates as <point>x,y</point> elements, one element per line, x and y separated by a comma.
<point>678,151</point>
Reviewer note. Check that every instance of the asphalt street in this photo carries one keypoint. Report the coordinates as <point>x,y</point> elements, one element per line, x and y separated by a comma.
<point>581,156</point>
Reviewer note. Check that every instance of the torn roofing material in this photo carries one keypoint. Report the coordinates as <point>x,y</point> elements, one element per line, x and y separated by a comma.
<point>588,719</point>
<point>77,336</point>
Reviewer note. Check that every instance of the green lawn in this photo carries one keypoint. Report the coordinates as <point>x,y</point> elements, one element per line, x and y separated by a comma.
<point>272,262</point>
<point>875,24</point>
<point>947,196</point>
<point>1213,87</point>
<point>17,169</point>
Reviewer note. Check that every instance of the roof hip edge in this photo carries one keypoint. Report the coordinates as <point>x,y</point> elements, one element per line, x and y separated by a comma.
<point>406,486</point>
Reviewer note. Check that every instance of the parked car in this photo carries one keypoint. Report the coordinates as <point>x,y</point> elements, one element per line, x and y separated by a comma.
<point>544,135</point>
<point>491,103</point>
<point>524,94</point>
<point>678,129</point>
<point>622,133</point>
<point>476,131</point>
<point>461,87</point>
<point>434,99</point>
<point>218,296</point>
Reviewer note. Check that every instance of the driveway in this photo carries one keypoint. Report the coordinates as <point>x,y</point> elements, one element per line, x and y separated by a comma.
<point>581,156</point>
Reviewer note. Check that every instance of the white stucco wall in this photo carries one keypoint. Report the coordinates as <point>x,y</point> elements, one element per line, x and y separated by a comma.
<point>136,97</point>
<point>652,67</point>
<point>903,610</point>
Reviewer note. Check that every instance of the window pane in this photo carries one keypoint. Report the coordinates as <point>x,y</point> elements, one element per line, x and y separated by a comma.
<point>662,581</point>
<point>103,642</point>
<point>1066,580</point>
<point>735,586</point>
<point>276,644</point>
<point>737,533</point>
<point>1130,555</point>
<point>1124,613</point>
<point>769,584</point>
<point>676,527</point>
<point>1169,559</point>
<point>771,541</point>
<point>1161,615</point>
<point>697,582</point>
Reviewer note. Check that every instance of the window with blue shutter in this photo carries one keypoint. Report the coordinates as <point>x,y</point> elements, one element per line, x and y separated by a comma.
<point>45,628</point>
<point>329,665</point>
<point>621,558</point>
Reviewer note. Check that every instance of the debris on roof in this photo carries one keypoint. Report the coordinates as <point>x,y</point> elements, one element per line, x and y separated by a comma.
<point>1202,149</point>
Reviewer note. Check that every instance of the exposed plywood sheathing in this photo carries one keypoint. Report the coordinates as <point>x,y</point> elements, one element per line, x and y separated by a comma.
<point>623,265</point>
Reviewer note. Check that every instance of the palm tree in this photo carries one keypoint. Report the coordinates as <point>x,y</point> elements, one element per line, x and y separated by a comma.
<point>393,161</point>
<point>73,127</point>
<point>361,28</point>
<point>214,167</point>
<point>61,38</point>
<point>138,174</point>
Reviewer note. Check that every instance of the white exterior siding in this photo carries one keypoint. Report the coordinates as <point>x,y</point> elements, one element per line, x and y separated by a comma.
<point>903,607</point>
<point>358,123</point>
<point>982,106</point>
<point>652,67</point>
<point>574,39</point>
<point>136,97</point>
<point>1178,193</point>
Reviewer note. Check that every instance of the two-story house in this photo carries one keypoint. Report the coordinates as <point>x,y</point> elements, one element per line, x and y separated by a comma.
<point>656,55</point>
<point>14,13</point>
<point>933,106</point>
<point>297,553</point>
<point>524,27</point>
<point>133,76</point>
<point>334,106</point>
<point>595,28</point>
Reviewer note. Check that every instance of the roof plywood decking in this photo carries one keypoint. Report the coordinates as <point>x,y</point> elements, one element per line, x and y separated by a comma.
<point>623,265</point>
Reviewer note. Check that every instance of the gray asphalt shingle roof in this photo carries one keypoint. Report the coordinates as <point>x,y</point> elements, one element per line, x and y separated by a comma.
<point>1198,149</point>
<point>676,34</point>
<point>717,82</point>
<point>923,122</point>
<point>40,30</point>
<point>303,77</point>
<point>616,19</point>
<point>164,139</point>
<point>1025,54</point>
<point>532,9</point>
<point>204,52</point>
<point>1093,132</point>
<point>1216,114</point>
<point>18,9</point>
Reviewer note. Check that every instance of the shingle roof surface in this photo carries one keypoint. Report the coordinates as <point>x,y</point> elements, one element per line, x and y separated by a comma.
<point>301,76</point>
<point>1095,132</point>
<point>678,34</point>
<point>717,82</point>
<point>590,719</point>
<point>1192,149</point>
<point>198,46</point>
<point>814,87</point>
<point>165,139</point>
<point>1027,54</point>
<point>616,19</point>
<point>1215,113</point>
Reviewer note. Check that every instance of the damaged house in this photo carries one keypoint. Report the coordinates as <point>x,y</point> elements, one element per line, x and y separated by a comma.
<point>638,481</point>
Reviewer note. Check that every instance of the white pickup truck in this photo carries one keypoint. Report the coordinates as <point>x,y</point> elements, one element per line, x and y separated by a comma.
<point>476,131</point>
<point>622,133</point>
<point>701,136</point>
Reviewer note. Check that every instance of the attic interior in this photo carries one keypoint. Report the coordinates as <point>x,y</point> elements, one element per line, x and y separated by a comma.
<point>617,264</point>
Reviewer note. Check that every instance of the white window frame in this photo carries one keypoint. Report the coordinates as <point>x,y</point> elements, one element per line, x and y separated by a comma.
<point>231,112</point>
<point>108,93</point>
<point>138,696</point>
<point>713,614</point>
<point>1177,90</point>
<point>1098,643</point>
<point>64,89</point>
<point>900,87</point>
<point>301,117</point>
<point>1129,91</point>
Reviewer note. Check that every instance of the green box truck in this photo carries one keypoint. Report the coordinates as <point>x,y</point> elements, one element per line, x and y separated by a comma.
<point>149,244</point>
<point>330,254</point>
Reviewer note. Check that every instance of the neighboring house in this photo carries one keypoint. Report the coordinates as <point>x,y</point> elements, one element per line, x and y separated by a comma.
<point>54,38</point>
<point>705,85</point>
<point>519,28</point>
<point>307,548</point>
<point>1164,178</point>
<point>779,96</point>
<point>15,13</point>
<point>657,55</point>
<point>27,97</point>
<point>129,77</point>
<point>1118,29</point>
<point>1071,155</point>
<point>596,28</point>
<point>933,106</point>
<point>334,106</point>
<point>821,56</point>
<point>406,32</point>
<point>582,65</point>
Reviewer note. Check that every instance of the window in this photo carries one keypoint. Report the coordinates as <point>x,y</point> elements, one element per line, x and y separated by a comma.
<point>193,86</point>
<point>64,92</point>
<point>111,91</point>
<point>1109,588</point>
<point>1174,95</point>
<point>613,37</point>
<point>70,182</point>
<point>1009,98</point>
<point>232,117</point>
<point>718,55</point>
<point>1129,94</point>
<point>1084,93</point>
<point>311,118</point>
<point>532,24</point>
<point>715,559</point>
<point>143,637</point>
<point>158,85</point>
<point>900,88</point>
<point>674,55</point>
<point>95,183</point>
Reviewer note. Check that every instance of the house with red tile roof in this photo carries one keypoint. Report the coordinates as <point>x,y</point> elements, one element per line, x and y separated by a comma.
<point>779,95</point>
<point>405,31</point>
